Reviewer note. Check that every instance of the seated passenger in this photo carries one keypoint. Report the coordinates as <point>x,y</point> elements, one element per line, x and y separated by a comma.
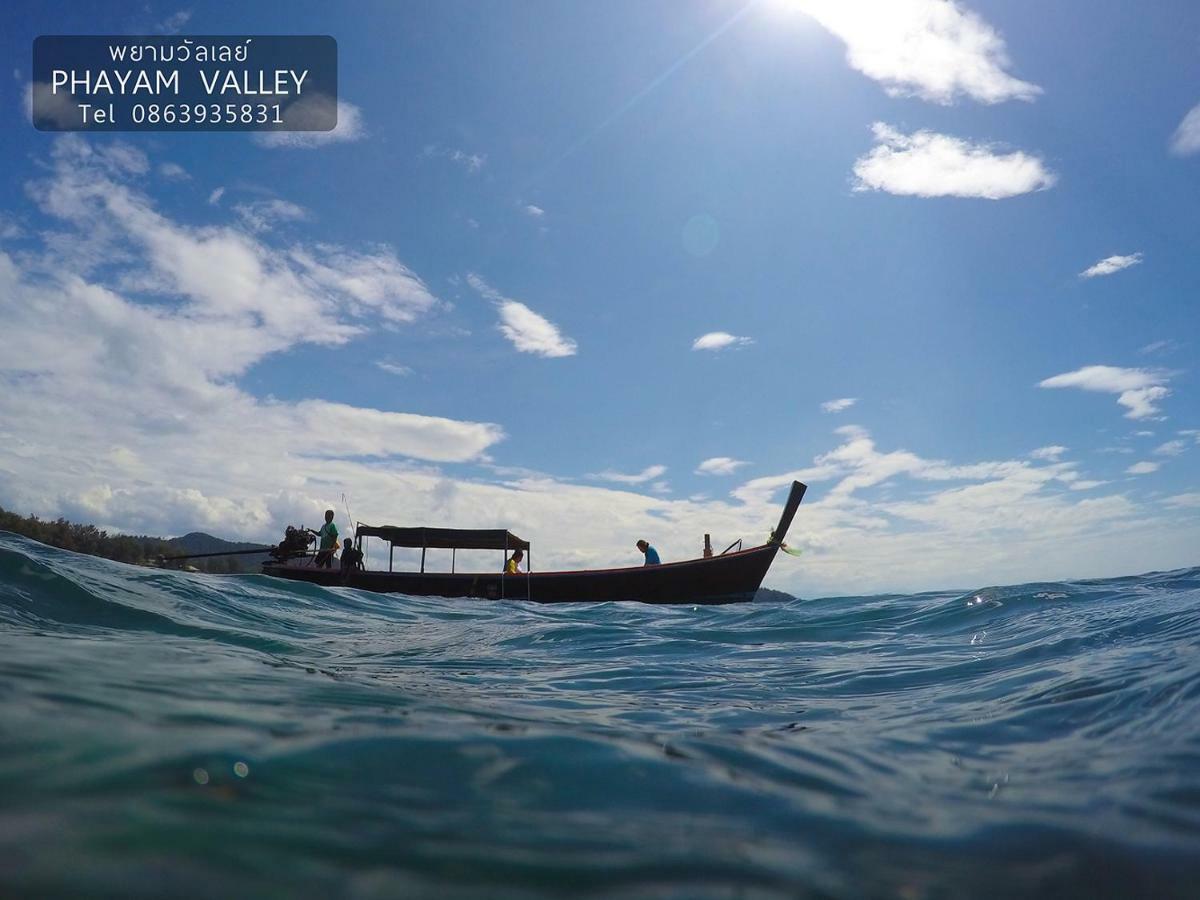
<point>352,558</point>
<point>651,554</point>
<point>513,566</point>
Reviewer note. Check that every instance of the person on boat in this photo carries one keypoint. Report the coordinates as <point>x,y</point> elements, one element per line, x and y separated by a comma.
<point>352,558</point>
<point>651,554</point>
<point>513,566</point>
<point>329,541</point>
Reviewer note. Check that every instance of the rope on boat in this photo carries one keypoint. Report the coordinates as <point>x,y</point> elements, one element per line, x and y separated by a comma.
<point>791,551</point>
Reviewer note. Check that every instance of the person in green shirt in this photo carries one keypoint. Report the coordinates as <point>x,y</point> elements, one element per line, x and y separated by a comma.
<point>329,541</point>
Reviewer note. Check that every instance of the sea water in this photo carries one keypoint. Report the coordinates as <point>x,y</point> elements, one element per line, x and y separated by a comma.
<point>173,734</point>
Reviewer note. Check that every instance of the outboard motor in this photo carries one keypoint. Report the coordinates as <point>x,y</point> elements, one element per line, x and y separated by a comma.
<point>295,543</point>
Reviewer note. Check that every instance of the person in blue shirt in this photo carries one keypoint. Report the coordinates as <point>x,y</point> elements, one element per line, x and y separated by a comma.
<point>651,554</point>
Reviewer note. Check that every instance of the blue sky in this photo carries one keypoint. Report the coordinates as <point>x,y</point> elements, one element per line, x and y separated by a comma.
<point>603,271</point>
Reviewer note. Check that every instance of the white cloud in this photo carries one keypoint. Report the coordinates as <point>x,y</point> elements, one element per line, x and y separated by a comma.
<point>1183,501</point>
<point>927,164</point>
<point>54,108</point>
<point>1164,346</point>
<point>1170,448</point>
<point>836,406</point>
<point>369,282</point>
<point>473,163</point>
<point>650,473</point>
<point>173,171</point>
<point>1111,264</point>
<point>315,109</point>
<point>173,23</point>
<point>532,333</point>
<point>1143,468</point>
<point>983,523</point>
<point>528,331</point>
<point>932,49</point>
<point>1186,139</point>
<point>719,340</point>
<point>160,374</point>
<point>720,465</point>
<point>1051,453</point>
<point>10,229</point>
<point>215,197</point>
<point>340,430</point>
<point>263,215</point>
<point>532,211</point>
<point>393,368</point>
<point>1138,390</point>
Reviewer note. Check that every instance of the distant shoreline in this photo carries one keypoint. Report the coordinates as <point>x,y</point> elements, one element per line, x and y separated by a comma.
<point>142,550</point>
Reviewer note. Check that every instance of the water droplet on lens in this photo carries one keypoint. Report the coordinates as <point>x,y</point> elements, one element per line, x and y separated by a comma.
<point>200,776</point>
<point>240,769</point>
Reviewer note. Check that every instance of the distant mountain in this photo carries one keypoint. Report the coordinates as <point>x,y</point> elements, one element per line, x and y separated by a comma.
<point>199,542</point>
<point>766,595</point>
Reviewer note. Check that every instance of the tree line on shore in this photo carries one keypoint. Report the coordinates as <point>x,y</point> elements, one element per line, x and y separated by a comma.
<point>137,549</point>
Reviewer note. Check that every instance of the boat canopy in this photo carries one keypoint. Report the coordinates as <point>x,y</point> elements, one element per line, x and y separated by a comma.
<point>446,538</point>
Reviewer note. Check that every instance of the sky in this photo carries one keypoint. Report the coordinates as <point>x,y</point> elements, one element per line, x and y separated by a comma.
<point>602,272</point>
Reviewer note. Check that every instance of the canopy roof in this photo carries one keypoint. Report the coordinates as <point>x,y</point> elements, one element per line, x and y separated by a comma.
<point>459,538</point>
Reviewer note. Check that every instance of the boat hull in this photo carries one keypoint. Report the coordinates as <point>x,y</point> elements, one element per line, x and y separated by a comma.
<point>730,578</point>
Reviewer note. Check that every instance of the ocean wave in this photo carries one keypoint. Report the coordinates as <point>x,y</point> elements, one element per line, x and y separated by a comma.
<point>175,733</point>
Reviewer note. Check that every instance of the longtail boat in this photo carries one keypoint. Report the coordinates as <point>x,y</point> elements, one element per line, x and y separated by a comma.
<point>730,577</point>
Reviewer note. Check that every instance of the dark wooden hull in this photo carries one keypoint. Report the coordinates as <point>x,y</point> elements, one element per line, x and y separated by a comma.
<point>731,578</point>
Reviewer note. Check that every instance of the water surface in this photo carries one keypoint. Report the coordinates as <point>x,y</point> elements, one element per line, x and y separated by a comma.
<point>215,736</point>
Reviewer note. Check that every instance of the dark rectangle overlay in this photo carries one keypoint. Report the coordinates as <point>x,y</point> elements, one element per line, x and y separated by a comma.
<point>185,83</point>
